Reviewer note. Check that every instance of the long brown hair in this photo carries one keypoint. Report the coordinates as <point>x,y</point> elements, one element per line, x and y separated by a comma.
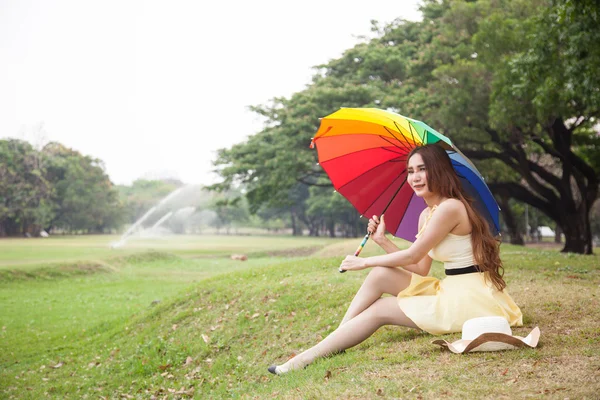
<point>442,180</point>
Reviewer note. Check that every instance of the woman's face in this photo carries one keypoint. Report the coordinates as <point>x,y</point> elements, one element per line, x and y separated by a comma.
<point>417,175</point>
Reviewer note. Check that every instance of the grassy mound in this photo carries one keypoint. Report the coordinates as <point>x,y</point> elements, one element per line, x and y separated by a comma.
<point>58,270</point>
<point>216,339</point>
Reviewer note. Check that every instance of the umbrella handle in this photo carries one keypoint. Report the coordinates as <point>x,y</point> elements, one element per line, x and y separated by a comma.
<point>358,250</point>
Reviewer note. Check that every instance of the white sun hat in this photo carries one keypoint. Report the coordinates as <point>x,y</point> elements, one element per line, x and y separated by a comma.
<point>489,334</point>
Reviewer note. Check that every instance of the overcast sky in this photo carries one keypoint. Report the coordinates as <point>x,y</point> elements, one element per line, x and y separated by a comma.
<point>154,88</point>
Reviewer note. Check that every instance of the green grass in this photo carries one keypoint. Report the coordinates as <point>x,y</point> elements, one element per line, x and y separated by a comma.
<point>21,253</point>
<point>182,324</point>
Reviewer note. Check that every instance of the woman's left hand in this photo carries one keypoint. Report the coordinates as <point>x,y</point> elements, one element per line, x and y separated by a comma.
<point>353,263</point>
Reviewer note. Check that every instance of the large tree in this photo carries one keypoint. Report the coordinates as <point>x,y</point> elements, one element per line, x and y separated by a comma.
<point>513,83</point>
<point>526,92</point>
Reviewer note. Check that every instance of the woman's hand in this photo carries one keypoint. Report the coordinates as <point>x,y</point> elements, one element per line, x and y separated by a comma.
<point>376,228</point>
<point>353,263</point>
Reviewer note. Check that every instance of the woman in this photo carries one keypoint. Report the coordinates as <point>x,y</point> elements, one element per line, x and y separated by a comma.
<point>451,231</point>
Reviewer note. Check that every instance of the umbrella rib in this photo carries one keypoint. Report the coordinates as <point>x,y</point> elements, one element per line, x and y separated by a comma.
<point>410,129</point>
<point>392,143</point>
<point>408,147</point>
<point>392,151</point>
<point>394,196</point>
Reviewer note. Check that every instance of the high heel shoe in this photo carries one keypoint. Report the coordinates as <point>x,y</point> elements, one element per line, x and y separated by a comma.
<point>273,369</point>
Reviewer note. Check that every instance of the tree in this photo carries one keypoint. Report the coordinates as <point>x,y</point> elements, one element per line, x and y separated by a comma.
<point>504,80</point>
<point>24,190</point>
<point>83,197</point>
<point>540,114</point>
<point>230,208</point>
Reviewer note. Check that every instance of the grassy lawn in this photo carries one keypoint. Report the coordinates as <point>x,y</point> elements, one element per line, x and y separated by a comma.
<point>185,321</point>
<point>21,253</point>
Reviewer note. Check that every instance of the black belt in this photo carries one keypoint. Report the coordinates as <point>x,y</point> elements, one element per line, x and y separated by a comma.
<point>461,271</point>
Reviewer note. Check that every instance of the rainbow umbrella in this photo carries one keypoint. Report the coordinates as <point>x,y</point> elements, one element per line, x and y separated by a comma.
<point>364,152</point>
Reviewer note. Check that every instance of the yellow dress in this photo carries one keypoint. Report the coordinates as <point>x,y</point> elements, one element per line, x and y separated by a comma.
<point>442,306</point>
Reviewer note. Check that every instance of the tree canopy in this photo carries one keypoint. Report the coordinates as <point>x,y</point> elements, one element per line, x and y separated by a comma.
<point>54,188</point>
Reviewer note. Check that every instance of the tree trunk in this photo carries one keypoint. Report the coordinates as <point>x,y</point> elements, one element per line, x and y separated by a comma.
<point>565,191</point>
<point>558,234</point>
<point>511,224</point>
<point>295,230</point>
<point>331,227</point>
<point>578,235</point>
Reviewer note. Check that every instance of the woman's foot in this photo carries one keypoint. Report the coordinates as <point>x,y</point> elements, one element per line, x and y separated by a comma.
<point>284,368</point>
<point>274,369</point>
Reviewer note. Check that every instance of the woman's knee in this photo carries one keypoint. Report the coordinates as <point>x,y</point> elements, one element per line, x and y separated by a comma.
<point>388,280</point>
<point>387,311</point>
<point>382,312</point>
<point>380,274</point>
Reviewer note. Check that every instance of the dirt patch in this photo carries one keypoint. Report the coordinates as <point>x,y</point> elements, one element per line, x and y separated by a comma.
<point>297,252</point>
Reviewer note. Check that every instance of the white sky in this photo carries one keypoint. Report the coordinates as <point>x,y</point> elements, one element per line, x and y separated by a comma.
<point>156,87</point>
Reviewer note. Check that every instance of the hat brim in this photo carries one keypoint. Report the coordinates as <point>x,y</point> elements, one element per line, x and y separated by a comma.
<point>492,342</point>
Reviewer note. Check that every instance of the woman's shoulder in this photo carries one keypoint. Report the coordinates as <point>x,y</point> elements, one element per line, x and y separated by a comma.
<point>452,207</point>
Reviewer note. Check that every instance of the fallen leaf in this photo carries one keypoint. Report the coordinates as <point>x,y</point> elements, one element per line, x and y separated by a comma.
<point>379,392</point>
<point>163,367</point>
<point>183,391</point>
<point>174,327</point>
<point>504,372</point>
<point>205,338</point>
<point>254,315</point>
<point>327,375</point>
<point>188,360</point>
<point>60,364</point>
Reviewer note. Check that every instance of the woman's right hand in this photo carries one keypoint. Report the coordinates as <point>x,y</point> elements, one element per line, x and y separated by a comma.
<point>376,228</point>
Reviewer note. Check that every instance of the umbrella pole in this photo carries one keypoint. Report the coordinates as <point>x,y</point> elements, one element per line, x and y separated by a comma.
<point>359,249</point>
<point>362,244</point>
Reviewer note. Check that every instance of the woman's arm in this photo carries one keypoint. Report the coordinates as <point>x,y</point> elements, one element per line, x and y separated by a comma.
<point>446,217</point>
<point>377,229</point>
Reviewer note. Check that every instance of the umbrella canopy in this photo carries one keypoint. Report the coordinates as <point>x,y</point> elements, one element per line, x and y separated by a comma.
<point>364,152</point>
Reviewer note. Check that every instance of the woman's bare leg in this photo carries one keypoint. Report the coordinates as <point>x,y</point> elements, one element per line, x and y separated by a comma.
<point>379,281</point>
<point>384,311</point>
